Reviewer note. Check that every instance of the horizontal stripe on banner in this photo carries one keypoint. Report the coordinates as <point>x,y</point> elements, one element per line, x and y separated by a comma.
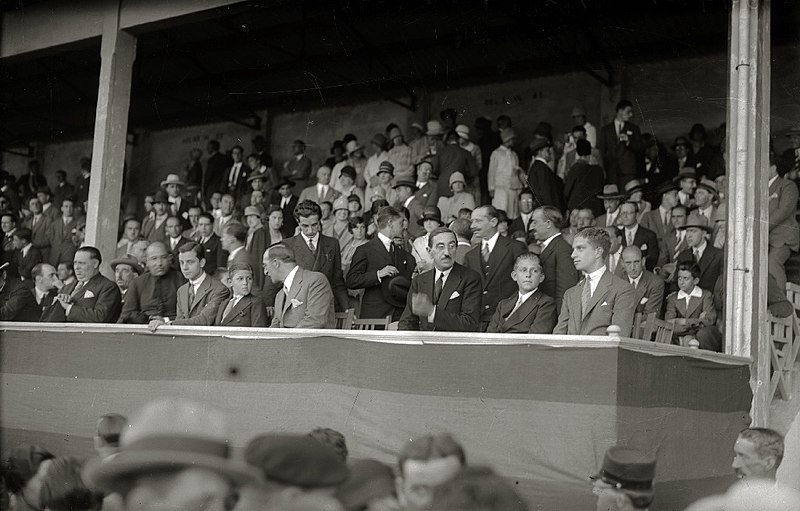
<point>528,439</point>
<point>536,372</point>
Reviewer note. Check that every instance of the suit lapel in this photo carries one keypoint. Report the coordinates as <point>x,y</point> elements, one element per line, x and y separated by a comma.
<point>496,255</point>
<point>202,291</point>
<point>694,303</point>
<point>600,292</point>
<point>243,302</point>
<point>680,304</point>
<point>295,289</point>
<point>524,309</point>
<point>450,285</point>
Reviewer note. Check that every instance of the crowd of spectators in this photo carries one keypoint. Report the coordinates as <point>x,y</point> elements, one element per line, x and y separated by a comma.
<point>450,228</point>
<point>174,455</point>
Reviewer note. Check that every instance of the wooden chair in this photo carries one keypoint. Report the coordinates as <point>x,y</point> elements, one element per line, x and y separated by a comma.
<point>638,327</point>
<point>660,328</point>
<point>344,320</point>
<point>371,324</point>
<point>782,332</point>
<point>793,295</point>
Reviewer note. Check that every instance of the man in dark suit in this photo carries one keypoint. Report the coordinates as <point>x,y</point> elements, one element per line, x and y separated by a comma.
<point>153,295</point>
<point>524,222</point>
<point>583,181</point>
<point>406,198</point>
<point>707,257</point>
<point>234,180</point>
<point>601,298</point>
<point>556,255</point>
<point>446,298</point>
<point>41,228</point>
<point>659,220</point>
<point>216,166</point>
<point>63,249</point>
<point>200,297</point>
<point>29,184</point>
<point>784,234</point>
<point>45,282</point>
<point>175,240</point>
<point>298,169</point>
<point>215,256</point>
<point>634,234</point>
<point>314,251</point>
<point>427,192</point>
<point>452,158</point>
<point>382,269</point>
<point>648,294</point>
<point>17,302</point>
<point>493,259</point>
<point>26,256</point>
<point>548,188</point>
<point>529,311</point>
<point>63,188</point>
<point>288,201</point>
<point>92,298</point>
<point>620,143</point>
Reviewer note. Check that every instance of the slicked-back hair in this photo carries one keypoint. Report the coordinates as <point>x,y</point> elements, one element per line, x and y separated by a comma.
<point>207,216</point>
<point>490,211</point>
<point>306,209</point>
<point>237,230</point>
<point>386,215</point>
<point>438,231</point>
<point>767,442</point>
<point>527,191</point>
<point>282,253</point>
<point>37,270</point>
<point>597,237</point>
<point>195,247</point>
<point>552,214</point>
<point>528,256</point>
<point>431,447</point>
<point>629,203</point>
<point>461,227</point>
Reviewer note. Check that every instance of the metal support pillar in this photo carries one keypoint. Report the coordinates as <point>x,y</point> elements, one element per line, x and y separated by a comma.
<point>117,51</point>
<point>747,151</point>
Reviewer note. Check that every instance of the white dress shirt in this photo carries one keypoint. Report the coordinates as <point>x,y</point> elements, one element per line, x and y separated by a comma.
<point>696,292</point>
<point>287,282</point>
<point>548,240</point>
<point>491,242</point>
<point>594,278</point>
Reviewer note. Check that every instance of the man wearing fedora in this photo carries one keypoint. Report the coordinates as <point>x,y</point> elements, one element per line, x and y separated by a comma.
<point>298,168</point>
<point>178,206</point>
<point>406,198</point>
<point>153,226</point>
<point>634,235</point>
<point>493,259</point>
<point>322,191</point>
<point>687,182</point>
<point>447,297</point>
<point>611,198</point>
<point>704,197</point>
<point>659,220</point>
<point>700,251</point>
<point>125,270</point>
<point>175,454</point>
<point>382,269</point>
<point>547,187</point>
<point>620,143</point>
<point>601,298</point>
<point>305,298</point>
<point>784,234</point>
<point>625,481</point>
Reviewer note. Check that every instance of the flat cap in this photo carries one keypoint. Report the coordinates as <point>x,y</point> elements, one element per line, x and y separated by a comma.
<point>296,460</point>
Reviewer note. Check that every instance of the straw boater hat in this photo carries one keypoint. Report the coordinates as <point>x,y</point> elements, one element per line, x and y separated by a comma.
<point>170,434</point>
<point>172,179</point>
<point>133,263</point>
<point>462,130</point>
<point>697,220</point>
<point>611,192</point>
<point>634,185</point>
<point>708,185</point>
<point>434,128</point>
<point>352,147</point>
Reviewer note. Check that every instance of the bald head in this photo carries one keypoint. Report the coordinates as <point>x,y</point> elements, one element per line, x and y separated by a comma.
<point>632,261</point>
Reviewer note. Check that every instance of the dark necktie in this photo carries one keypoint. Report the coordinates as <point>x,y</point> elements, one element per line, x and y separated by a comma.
<point>586,295</point>
<point>191,294</point>
<point>437,288</point>
<point>76,291</point>
<point>392,253</point>
<point>311,246</point>
<point>485,253</point>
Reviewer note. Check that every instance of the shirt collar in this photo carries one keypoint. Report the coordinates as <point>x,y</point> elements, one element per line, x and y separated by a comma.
<point>199,280</point>
<point>635,281</point>
<point>234,252</point>
<point>446,273</point>
<point>492,241</point>
<point>701,248</point>
<point>526,295</point>
<point>595,275</point>
<point>772,180</point>
<point>548,240</point>
<point>287,282</point>
<point>387,242</point>
<point>315,239</point>
<point>696,292</point>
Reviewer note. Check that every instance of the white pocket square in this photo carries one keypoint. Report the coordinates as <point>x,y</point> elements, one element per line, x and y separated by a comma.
<point>644,247</point>
<point>604,304</point>
<point>88,294</point>
<point>644,300</point>
<point>454,295</point>
<point>296,302</point>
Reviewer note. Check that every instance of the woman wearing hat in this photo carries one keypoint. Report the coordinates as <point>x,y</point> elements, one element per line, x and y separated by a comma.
<point>339,228</point>
<point>357,228</point>
<point>256,242</point>
<point>383,183</point>
<point>379,146</point>
<point>345,182</point>
<point>430,221</point>
<point>634,192</point>
<point>449,206</point>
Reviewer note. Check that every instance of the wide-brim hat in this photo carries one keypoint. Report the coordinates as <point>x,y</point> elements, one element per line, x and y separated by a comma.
<point>681,141</point>
<point>257,175</point>
<point>611,192</point>
<point>172,179</point>
<point>352,146</point>
<point>386,166</point>
<point>634,185</point>
<point>405,182</point>
<point>434,128</point>
<point>627,469</point>
<point>539,143</point>
<point>396,290</point>
<point>665,187</point>
<point>133,263</point>
<point>794,130</point>
<point>709,186</point>
<point>170,434</point>
<point>462,130</point>
<point>283,182</point>
<point>686,172</point>
<point>697,220</point>
<point>430,213</point>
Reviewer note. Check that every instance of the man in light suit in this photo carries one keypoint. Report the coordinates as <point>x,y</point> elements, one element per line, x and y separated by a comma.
<point>200,297</point>
<point>648,287</point>
<point>601,298</point>
<point>92,298</point>
<point>675,243</point>
<point>528,311</point>
<point>322,191</point>
<point>784,237</point>
<point>446,298</point>
<point>659,220</point>
<point>306,298</point>
<point>556,256</point>
<point>620,143</point>
<point>493,259</point>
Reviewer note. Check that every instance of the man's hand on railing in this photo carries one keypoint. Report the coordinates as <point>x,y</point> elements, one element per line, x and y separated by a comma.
<point>156,322</point>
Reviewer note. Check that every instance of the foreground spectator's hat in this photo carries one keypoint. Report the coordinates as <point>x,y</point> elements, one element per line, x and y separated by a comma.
<point>369,480</point>
<point>256,175</point>
<point>405,182</point>
<point>252,211</point>
<point>664,188</point>
<point>578,111</point>
<point>794,130</point>
<point>348,171</point>
<point>634,185</point>
<point>285,182</point>
<point>507,135</point>
<point>296,460</point>
<point>463,131</point>
<point>396,290</point>
<point>681,141</point>
<point>380,140</point>
<point>340,203</point>
<point>161,196</point>
<point>172,179</point>
<point>627,469</point>
<point>697,220</point>
<point>133,263</point>
<point>611,192</point>
<point>430,213</point>
<point>709,186</point>
<point>386,166</point>
<point>418,126</point>
<point>686,172</point>
<point>352,146</point>
<point>395,132</point>
<point>170,434</point>
<point>434,129</point>
<point>539,143</point>
<point>457,177</point>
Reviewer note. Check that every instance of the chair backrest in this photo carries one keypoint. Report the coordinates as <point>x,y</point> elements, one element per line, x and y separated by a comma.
<point>371,324</point>
<point>781,330</point>
<point>638,327</point>
<point>647,326</point>
<point>663,330</point>
<point>793,294</point>
<point>344,320</point>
